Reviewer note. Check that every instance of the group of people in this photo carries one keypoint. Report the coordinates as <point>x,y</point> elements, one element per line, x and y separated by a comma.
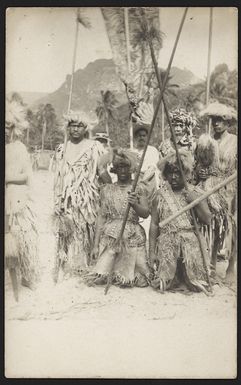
<point>93,188</point>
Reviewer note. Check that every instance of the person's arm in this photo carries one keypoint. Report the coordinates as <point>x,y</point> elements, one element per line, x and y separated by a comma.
<point>153,232</point>
<point>20,175</point>
<point>201,210</point>
<point>139,204</point>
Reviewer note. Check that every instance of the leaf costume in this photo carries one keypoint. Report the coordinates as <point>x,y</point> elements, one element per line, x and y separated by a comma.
<point>177,246</point>
<point>79,201</point>
<point>131,264</point>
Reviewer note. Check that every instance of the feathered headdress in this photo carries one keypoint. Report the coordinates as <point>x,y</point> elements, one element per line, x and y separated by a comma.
<point>171,159</point>
<point>207,151</point>
<point>118,156</point>
<point>221,110</point>
<point>188,122</point>
<point>15,118</point>
<point>78,117</point>
<point>187,119</point>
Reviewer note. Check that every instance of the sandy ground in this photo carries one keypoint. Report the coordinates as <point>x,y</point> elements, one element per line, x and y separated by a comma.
<point>71,330</point>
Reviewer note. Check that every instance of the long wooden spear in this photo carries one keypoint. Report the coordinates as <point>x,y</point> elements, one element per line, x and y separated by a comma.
<point>127,34</point>
<point>109,280</point>
<point>180,163</point>
<point>209,62</point>
<point>58,262</point>
<point>199,199</point>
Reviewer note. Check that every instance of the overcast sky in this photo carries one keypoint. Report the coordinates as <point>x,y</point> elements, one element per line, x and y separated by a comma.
<point>39,47</point>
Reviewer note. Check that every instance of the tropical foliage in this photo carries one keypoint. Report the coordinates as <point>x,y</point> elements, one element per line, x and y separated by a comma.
<point>106,109</point>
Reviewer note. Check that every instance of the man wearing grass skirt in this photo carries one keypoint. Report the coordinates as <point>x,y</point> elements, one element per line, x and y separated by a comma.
<point>222,116</point>
<point>76,192</point>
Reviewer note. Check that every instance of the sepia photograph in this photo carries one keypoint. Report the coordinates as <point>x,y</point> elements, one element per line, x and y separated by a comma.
<point>120,226</point>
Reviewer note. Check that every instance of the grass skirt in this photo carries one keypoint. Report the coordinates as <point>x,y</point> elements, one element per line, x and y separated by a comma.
<point>130,266</point>
<point>183,247</point>
<point>73,243</point>
<point>21,244</point>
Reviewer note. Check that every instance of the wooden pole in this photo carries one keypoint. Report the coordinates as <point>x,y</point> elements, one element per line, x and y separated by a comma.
<point>127,34</point>
<point>58,261</point>
<point>209,62</point>
<point>148,140</point>
<point>199,199</point>
<point>70,93</point>
<point>163,122</point>
<point>74,61</point>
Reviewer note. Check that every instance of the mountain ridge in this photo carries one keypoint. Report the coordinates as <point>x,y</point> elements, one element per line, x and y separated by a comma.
<point>96,76</point>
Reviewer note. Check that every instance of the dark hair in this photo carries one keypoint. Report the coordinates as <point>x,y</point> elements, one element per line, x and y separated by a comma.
<point>139,128</point>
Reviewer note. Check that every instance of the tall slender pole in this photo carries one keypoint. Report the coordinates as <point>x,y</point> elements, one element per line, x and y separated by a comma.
<point>163,122</point>
<point>74,61</point>
<point>70,94</point>
<point>162,105</point>
<point>209,61</point>
<point>127,34</point>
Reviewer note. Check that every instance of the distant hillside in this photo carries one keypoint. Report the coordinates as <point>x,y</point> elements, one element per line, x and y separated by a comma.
<point>183,77</point>
<point>31,97</point>
<point>96,76</point>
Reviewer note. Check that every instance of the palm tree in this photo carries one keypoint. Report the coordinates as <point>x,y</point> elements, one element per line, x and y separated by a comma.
<point>45,117</point>
<point>150,37</point>
<point>223,87</point>
<point>106,109</point>
<point>145,36</point>
<point>30,119</point>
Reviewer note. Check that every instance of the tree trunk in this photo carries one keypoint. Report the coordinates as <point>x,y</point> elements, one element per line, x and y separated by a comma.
<point>43,134</point>
<point>106,124</point>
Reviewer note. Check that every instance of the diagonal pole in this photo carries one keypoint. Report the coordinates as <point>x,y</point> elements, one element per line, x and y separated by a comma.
<point>147,143</point>
<point>127,34</point>
<point>205,195</point>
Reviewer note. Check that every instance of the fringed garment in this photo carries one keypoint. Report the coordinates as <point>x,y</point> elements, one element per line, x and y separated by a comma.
<point>215,232</point>
<point>79,199</point>
<point>177,247</point>
<point>130,265</point>
<point>227,152</point>
<point>227,147</point>
<point>21,235</point>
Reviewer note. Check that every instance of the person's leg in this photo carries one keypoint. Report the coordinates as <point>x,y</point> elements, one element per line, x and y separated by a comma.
<point>230,273</point>
<point>14,281</point>
<point>215,249</point>
<point>142,270</point>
